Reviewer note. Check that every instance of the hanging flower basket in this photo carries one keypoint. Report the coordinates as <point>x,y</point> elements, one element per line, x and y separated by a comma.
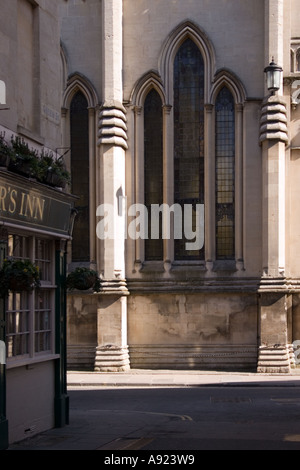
<point>55,180</point>
<point>52,170</point>
<point>83,279</point>
<point>18,276</point>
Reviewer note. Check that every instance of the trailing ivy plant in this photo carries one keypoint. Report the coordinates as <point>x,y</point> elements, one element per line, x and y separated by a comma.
<point>46,167</point>
<point>52,170</point>
<point>23,160</point>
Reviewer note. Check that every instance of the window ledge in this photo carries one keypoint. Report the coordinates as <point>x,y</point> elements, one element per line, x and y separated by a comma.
<point>228,265</point>
<point>13,363</point>
<point>153,267</point>
<point>189,266</point>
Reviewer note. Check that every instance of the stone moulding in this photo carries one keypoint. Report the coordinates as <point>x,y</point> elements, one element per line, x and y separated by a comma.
<point>112,359</point>
<point>113,125</point>
<point>192,356</point>
<point>274,360</point>
<point>81,356</point>
<point>273,123</point>
<point>114,287</point>
<point>205,285</point>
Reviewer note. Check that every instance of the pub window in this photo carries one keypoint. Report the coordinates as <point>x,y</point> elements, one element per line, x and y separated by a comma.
<point>225,175</point>
<point>188,136</point>
<point>80,176</point>
<point>153,154</point>
<point>30,315</point>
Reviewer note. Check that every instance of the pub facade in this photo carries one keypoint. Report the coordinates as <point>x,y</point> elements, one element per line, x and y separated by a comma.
<point>36,219</point>
<point>151,104</point>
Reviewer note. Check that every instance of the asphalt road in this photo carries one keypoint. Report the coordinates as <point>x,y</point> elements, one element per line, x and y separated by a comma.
<point>174,420</point>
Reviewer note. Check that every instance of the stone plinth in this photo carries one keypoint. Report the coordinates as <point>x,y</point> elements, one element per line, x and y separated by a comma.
<point>112,351</point>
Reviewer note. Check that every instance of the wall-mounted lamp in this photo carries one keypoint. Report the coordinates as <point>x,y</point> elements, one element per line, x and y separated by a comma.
<point>274,77</point>
<point>73,215</point>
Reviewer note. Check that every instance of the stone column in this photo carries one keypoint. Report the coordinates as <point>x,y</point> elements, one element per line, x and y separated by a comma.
<point>274,354</point>
<point>274,351</point>
<point>112,351</point>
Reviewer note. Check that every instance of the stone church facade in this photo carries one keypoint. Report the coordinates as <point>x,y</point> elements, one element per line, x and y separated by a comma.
<point>166,103</point>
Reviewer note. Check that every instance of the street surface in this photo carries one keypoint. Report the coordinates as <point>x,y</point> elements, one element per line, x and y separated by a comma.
<point>220,417</point>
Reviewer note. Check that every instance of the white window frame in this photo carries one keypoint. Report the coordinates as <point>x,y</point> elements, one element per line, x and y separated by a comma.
<point>31,356</point>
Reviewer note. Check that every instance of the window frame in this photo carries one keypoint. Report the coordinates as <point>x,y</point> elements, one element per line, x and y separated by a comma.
<point>47,288</point>
<point>148,153</point>
<point>213,83</point>
<point>76,177</point>
<point>200,257</point>
<point>218,171</point>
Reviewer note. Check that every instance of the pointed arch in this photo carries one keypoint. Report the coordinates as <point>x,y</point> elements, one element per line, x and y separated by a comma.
<point>186,30</point>
<point>225,165</point>
<point>153,167</point>
<point>188,138</point>
<point>78,82</point>
<point>228,79</point>
<point>151,80</point>
<point>79,111</point>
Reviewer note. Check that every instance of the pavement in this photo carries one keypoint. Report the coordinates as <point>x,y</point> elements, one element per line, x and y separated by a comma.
<point>171,378</point>
<point>114,431</point>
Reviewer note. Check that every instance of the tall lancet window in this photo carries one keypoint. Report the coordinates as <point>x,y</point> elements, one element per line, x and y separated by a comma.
<point>225,175</point>
<point>188,138</point>
<point>80,176</point>
<point>153,154</point>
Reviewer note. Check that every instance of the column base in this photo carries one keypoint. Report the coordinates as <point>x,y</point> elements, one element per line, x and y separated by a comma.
<point>112,359</point>
<point>292,356</point>
<point>274,360</point>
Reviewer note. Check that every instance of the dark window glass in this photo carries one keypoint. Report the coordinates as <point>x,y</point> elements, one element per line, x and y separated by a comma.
<point>153,151</point>
<point>225,176</point>
<point>298,61</point>
<point>80,176</point>
<point>188,137</point>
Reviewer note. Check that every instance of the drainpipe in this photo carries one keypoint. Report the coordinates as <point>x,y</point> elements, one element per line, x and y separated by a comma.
<point>61,396</point>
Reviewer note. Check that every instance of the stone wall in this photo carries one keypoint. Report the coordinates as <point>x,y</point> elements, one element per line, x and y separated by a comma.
<point>193,331</point>
<point>82,331</point>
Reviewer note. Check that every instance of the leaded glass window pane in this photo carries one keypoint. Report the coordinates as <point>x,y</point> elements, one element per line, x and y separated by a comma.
<point>225,176</point>
<point>80,176</point>
<point>188,136</point>
<point>153,127</point>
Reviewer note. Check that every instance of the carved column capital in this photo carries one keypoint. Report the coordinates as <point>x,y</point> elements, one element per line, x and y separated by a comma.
<point>273,123</point>
<point>112,125</point>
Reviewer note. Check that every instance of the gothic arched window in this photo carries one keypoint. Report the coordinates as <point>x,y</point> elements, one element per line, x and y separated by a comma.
<point>79,120</point>
<point>188,136</point>
<point>225,175</point>
<point>153,154</point>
